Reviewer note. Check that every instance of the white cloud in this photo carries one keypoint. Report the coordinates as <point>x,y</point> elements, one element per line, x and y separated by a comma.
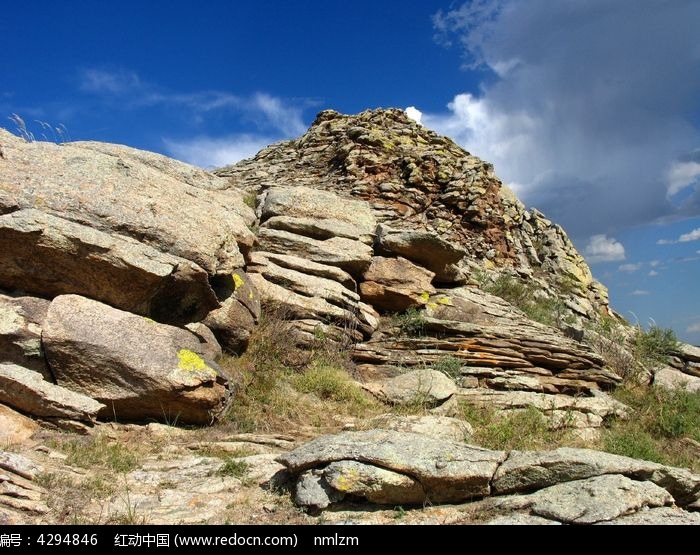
<point>414,113</point>
<point>113,82</point>
<point>601,248</point>
<point>579,111</point>
<point>692,236</point>
<point>640,293</point>
<point>209,153</point>
<point>693,328</point>
<point>127,90</point>
<point>685,238</point>
<point>681,175</point>
<point>653,273</point>
<point>655,263</point>
<point>629,268</point>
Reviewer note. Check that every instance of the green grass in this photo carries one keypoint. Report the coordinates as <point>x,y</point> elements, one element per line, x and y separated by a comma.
<point>330,383</point>
<point>545,310</point>
<point>235,468</point>
<point>448,365</point>
<point>654,346</point>
<point>526,429</point>
<point>660,421</point>
<point>410,323</point>
<point>99,452</point>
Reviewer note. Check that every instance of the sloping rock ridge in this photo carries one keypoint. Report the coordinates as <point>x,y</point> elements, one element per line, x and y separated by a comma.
<point>436,201</point>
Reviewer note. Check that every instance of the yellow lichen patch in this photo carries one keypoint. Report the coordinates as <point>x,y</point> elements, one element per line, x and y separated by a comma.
<point>445,301</point>
<point>347,481</point>
<point>191,370</point>
<point>425,296</point>
<point>190,361</point>
<point>237,282</point>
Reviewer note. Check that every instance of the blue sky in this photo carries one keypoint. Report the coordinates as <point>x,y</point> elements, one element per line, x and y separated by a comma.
<point>589,109</point>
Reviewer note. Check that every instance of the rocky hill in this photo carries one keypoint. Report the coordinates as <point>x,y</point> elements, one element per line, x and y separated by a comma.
<point>134,288</point>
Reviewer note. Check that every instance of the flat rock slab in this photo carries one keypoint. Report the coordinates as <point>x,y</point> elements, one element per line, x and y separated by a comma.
<point>447,471</point>
<point>51,256</point>
<point>314,205</point>
<point>426,387</point>
<point>658,516</point>
<point>532,470</point>
<point>140,369</point>
<point>351,256</point>
<point>437,427</point>
<point>28,392</point>
<point>598,499</point>
<point>396,284</point>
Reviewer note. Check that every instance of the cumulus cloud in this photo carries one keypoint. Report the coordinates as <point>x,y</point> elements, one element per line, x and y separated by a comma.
<point>685,238</point>
<point>601,248</point>
<point>653,273</point>
<point>693,328</point>
<point>629,268</point>
<point>414,113</point>
<point>209,153</point>
<point>640,293</point>
<point>585,113</point>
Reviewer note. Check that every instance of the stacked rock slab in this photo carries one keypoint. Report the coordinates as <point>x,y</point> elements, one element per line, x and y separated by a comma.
<point>312,248</point>
<point>150,238</point>
<point>418,181</point>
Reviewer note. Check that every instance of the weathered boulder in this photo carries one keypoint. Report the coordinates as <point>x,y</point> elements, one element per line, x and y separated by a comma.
<point>447,471</point>
<point>21,319</point>
<point>50,256</point>
<point>431,425</point>
<point>161,202</point>
<point>395,284</point>
<point>138,368</point>
<point>670,378</point>
<point>376,485</point>
<point>27,391</point>
<point>312,490</point>
<point>424,248</point>
<point>531,470</point>
<point>15,427</point>
<point>428,388</point>
<point>594,500</point>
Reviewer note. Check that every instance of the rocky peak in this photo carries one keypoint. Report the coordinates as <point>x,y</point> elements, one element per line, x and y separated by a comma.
<point>415,179</point>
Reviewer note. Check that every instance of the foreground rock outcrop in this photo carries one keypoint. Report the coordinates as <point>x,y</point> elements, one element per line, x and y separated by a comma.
<point>570,486</point>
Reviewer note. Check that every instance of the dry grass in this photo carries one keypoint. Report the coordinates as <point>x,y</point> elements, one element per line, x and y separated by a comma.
<point>286,387</point>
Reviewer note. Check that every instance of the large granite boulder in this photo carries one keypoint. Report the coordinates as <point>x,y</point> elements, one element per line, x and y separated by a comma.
<point>51,256</point>
<point>163,203</point>
<point>140,369</point>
